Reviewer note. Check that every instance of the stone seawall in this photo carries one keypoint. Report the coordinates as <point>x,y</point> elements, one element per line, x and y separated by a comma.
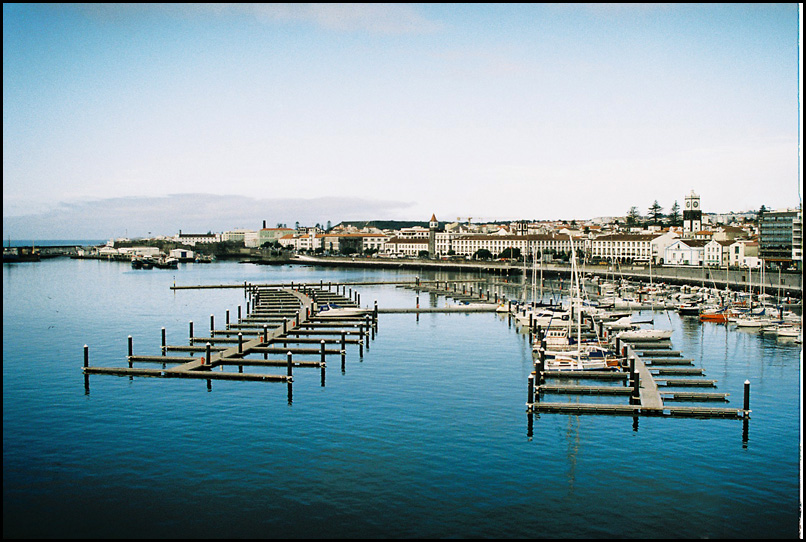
<point>790,284</point>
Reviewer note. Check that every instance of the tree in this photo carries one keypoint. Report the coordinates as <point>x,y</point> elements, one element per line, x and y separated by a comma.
<point>655,212</point>
<point>511,253</point>
<point>674,214</point>
<point>632,216</point>
<point>761,212</point>
<point>483,254</point>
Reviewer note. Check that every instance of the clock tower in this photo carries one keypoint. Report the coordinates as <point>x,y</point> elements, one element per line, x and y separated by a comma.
<point>692,214</point>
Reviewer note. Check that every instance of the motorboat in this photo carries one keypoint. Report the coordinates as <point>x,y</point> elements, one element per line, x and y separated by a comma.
<point>645,334</point>
<point>332,309</point>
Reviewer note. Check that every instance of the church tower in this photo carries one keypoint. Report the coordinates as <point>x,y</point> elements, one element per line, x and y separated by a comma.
<point>433,224</point>
<point>692,214</point>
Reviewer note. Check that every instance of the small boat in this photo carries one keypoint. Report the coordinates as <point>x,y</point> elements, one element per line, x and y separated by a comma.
<point>332,309</point>
<point>570,362</point>
<point>645,334</point>
<point>166,263</point>
<point>137,262</point>
<point>714,315</point>
<point>204,258</point>
<point>688,309</point>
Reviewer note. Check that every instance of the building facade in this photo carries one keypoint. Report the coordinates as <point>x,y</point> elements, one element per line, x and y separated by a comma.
<point>781,238</point>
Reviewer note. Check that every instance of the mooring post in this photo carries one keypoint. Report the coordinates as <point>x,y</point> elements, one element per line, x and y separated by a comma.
<point>206,360</point>
<point>226,320</point>
<point>531,392</point>
<point>190,332</point>
<point>361,339</point>
<point>285,325</point>
<point>322,352</point>
<point>366,329</point>
<point>212,326</point>
<point>746,398</point>
<point>343,347</point>
<point>375,315</point>
<point>86,364</point>
<point>541,366</point>
<point>130,346</point>
<point>289,364</point>
<point>240,342</point>
<point>239,311</point>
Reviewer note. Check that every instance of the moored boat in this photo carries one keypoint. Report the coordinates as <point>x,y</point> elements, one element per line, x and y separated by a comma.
<point>645,334</point>
<point>332,309</point>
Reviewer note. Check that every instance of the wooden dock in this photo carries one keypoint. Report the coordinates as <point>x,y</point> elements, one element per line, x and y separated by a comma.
<point>278,320</point>
<point>641,377</point>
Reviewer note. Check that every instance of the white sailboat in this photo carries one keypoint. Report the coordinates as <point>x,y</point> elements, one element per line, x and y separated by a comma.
<point>562,353</point>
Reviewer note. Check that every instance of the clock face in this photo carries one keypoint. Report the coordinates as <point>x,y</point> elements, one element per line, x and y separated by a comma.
<point>688,205</point>
<point>696,204</point>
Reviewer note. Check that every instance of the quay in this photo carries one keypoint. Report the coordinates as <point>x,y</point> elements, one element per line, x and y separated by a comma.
<point>790,284</point>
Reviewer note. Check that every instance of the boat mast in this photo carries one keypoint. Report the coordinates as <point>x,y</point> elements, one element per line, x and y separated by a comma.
<point>575,299</point>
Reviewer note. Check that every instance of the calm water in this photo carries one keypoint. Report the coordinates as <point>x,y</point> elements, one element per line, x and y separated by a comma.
<point>425,436</point>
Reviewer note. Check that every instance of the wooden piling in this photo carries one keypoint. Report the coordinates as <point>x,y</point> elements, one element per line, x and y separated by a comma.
<point>746,397</point>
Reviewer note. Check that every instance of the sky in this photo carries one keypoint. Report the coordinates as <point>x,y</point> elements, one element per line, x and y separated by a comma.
<point>128,119</point>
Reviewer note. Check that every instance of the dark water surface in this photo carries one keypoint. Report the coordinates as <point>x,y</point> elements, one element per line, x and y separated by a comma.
<point>425,436</point>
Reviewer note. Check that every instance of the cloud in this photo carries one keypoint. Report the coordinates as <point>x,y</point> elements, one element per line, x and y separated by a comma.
<point>192,213</point>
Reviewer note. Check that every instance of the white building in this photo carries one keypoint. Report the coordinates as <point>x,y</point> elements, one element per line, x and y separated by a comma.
<point>237,235</point>
<point>193,238</point>
<point>743,253</point>
<point>468,245</point>
<point>685,252</point>
<point>717,253</point>
<point>406,246</point>
<point>623,247</point>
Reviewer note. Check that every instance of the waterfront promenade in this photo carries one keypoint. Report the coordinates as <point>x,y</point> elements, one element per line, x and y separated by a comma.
<point>785,284</point>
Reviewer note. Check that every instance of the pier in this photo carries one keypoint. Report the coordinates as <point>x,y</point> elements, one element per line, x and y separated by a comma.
<point>644,370</point>
<point>280,320</point>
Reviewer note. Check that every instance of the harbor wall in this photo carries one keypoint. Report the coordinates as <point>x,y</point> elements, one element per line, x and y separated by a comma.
<point>790,284</point>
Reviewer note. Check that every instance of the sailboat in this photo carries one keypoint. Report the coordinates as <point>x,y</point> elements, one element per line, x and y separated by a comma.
<point>563,352</point>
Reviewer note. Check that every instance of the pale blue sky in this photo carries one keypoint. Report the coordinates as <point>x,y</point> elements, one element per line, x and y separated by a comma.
<point>536,111</point>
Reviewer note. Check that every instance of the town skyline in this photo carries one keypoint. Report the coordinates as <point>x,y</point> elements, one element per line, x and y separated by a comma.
<point>163,116</point>
<point>149,217</point>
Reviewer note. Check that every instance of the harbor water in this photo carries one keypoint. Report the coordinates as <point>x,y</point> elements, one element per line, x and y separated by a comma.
<point>425,435</point>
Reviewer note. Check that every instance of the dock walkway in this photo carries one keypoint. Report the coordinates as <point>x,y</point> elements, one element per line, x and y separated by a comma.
<point>642,377</point>
<point>280,319</point>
